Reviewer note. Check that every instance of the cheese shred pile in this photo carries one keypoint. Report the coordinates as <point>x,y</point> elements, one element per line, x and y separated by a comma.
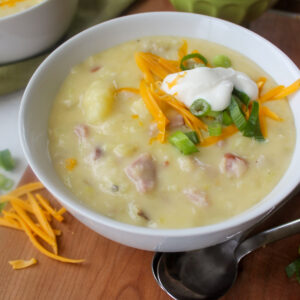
<point>156,68</point>
<point>31,213</point>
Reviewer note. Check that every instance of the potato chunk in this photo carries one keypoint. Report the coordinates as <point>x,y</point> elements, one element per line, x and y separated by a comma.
<point>98,101</point>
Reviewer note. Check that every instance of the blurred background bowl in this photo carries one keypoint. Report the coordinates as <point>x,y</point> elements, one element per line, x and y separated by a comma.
<point>35,29</point>
<point>236,11</point>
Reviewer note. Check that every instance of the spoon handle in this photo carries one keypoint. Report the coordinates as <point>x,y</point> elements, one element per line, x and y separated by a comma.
<point>267,237</point>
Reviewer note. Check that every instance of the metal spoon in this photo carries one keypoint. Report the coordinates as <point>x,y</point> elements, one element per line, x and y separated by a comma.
<point>209,273</point>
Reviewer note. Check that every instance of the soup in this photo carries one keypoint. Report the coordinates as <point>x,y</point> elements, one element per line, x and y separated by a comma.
<point>10,7</point>
<point>112,152</point>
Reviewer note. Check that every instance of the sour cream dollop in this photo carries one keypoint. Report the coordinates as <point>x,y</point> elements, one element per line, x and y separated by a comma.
<point>214,85</point>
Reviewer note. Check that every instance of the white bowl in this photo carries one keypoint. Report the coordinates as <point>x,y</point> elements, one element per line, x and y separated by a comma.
<point>43,87</point>
<point>35,29</point>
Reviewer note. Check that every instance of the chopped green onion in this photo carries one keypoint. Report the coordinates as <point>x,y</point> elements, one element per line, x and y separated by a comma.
<point>236,114</point>
<point>5,183</point>
<point>221,61</point>
<point>252,128</point>
<point>182,143</point>
<point>227,120</point>
<point>215,129</point>
<point>293,268</point>
<point>192,135</point>
<point>6,160</point>
<point>214,114</point>
<point>242,96</point>
<point>200,108</point>
<point>189,56</point>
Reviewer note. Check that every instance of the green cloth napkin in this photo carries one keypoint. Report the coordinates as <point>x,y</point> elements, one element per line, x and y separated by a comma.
<point>90,12</point>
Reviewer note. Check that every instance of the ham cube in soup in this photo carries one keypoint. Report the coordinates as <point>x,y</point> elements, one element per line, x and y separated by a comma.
<point>142,173</point>
<point>197,197</point>
<point>233,165</point>
<point>81,131</point>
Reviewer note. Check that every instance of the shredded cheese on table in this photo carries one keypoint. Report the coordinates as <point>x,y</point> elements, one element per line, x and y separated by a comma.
<point>22,264</point>
<point>33,215</point>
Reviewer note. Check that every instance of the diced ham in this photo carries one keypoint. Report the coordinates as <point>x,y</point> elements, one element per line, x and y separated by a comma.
<point>95,69</point>
<point>233,165</point>
<point>199,198</point>
<point>143,215</point>
<point>142,173</point>
<point>81,130</point>
<point>97,153</point>
<point>176,120</point>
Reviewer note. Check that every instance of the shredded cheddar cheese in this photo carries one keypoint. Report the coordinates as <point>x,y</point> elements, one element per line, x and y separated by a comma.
<point>288,90</point>
<point>156,68</point>
<point>182,51</point>
<point>156,112</point>
<point>10,2</point>
<point>226,132</point>
<point>128,89</point>
<point>271,93</point>
<point>71,163</point>
<point>260,84</point>
<point>22,264</point>
<point>33,215</point>
<point>268,113</point>
<point>175,80</point>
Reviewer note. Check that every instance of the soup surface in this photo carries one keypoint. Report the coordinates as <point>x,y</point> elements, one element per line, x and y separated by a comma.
<point>99,144</point>
<point>10,7</point>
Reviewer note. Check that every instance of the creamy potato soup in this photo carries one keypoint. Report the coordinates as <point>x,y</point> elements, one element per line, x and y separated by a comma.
<point>10,7</point>
<point>111,145</point>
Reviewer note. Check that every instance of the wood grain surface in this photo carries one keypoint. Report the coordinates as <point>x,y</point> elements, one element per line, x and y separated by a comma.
<point>113,271</point>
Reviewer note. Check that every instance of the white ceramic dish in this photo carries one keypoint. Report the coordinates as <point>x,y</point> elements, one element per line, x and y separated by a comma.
<point>34,30</point>
<point>49,76</point>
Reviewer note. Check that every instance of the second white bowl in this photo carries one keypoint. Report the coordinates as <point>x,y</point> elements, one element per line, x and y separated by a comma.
<point>34,30</point>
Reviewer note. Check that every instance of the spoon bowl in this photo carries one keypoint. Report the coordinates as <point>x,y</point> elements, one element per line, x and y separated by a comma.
<point>210,272</point>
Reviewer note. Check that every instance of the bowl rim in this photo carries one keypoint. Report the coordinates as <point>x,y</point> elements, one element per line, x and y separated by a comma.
<point>234,221</point>
<point>25,11</point>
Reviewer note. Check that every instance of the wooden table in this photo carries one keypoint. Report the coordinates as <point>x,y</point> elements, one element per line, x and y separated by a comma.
<point>113,271</point>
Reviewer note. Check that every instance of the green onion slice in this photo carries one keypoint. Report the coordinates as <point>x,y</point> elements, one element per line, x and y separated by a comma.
<point>236,114</point>
<point>183,143</point>
<point>214,114</point>
<point>252,128</point>
<point>200,108</point>
<point>192,135</point>
<point>190,56</point>
<point>5,183</point>
<point>215,129</point>
<point>242,96</point>
<point>221,61</point>
<point>6,160</point>
<point>227,120</point>
<point>293,268</point>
